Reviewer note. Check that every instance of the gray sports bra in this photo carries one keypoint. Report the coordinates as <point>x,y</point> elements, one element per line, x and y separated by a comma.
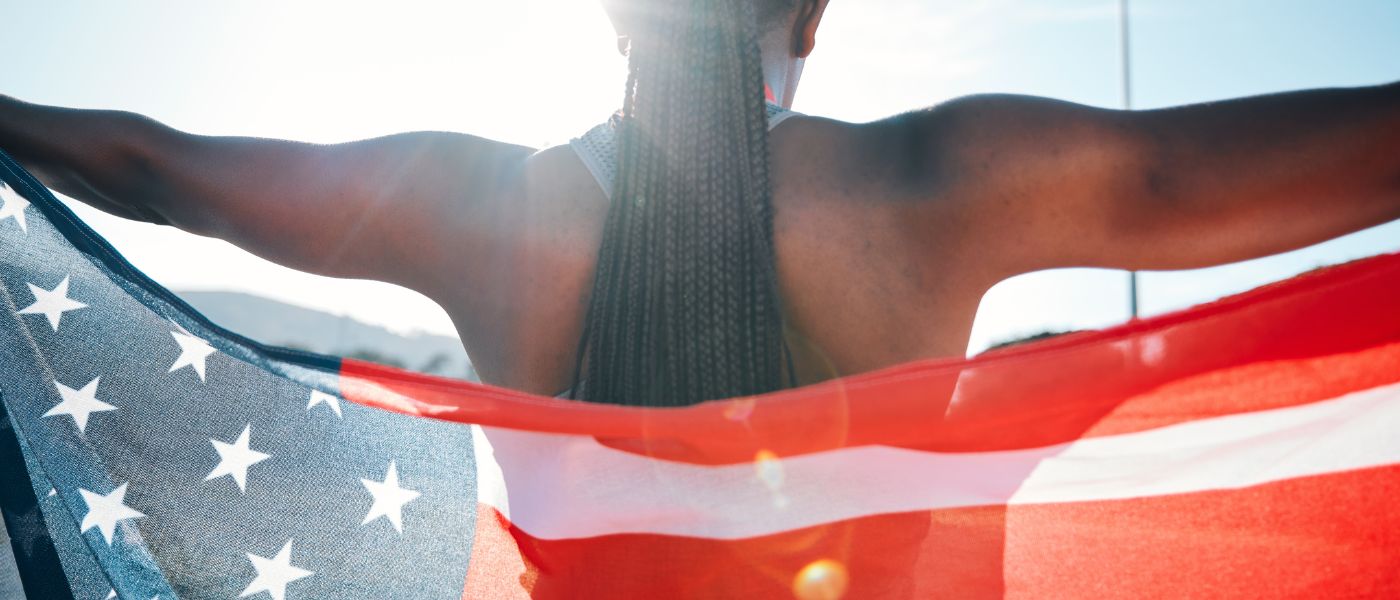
<point>598,148</point>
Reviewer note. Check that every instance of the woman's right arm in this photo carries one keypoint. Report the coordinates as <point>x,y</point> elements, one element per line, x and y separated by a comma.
<point>80,153</point>
<point>392,208</point>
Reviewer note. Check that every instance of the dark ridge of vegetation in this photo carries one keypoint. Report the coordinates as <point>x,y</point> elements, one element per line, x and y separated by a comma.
<point>1034,337</point>
<point>374,356</point>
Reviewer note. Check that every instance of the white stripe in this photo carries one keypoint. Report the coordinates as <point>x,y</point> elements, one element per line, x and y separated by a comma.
<point>566,486</point>
<point>490,483</point>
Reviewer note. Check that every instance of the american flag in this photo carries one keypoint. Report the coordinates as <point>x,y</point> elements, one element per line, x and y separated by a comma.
<point>1245,448</point>
<point>145,454</point>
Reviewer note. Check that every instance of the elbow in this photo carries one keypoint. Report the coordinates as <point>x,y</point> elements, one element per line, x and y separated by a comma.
<point>114,142</point>
<point>138,167</point>
<point>1144,177</point>
<point>1392,183</point>
<point>1391,186</point>
<point>137,147</point>
<point>1392,196</point>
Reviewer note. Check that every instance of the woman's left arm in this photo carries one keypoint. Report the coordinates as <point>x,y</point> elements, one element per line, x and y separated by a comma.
<point>1175,188</point>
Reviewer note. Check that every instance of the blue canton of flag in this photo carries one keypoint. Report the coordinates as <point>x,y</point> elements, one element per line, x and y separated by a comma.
<point>145,452</point>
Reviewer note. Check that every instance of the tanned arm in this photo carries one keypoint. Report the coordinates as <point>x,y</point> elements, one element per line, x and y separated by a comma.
<point>389,208</point>
<point>1051,184</point>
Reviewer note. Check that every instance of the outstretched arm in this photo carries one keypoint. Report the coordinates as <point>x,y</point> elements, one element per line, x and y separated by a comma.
<point>379,208</point>
<point>1060,184</point>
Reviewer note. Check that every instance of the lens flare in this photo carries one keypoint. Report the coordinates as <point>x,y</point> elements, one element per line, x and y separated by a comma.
<point>739,409</point>
<point>823,579</point>
<point>770,471</point>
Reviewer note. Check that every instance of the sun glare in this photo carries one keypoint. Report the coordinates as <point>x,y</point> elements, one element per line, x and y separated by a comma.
<point>537,72</point>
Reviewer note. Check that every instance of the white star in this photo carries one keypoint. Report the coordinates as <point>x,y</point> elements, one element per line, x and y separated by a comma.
<point>12,205</point>
<point>111,593</point>
<point>320,397</point>
<point>274,573</point>
<point>105,511</point>
<point>235,458</point>
<point>193,352</point>
<point>51,303</point>
<point>79,404</point>
<point>389,498</point>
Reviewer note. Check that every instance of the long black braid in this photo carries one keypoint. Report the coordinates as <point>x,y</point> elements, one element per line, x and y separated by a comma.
<point>685,303</point>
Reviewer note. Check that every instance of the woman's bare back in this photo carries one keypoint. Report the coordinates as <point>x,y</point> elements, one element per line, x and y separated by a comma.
<point>889,233</point>
<point>863,287</point>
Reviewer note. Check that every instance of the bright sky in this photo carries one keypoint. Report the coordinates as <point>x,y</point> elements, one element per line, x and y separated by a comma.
<point>538,72</point>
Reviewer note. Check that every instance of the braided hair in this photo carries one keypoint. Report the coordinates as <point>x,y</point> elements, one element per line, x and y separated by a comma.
<point>685,304</point>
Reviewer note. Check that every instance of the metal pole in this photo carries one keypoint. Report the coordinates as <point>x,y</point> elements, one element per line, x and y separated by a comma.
<point>1125,57</point>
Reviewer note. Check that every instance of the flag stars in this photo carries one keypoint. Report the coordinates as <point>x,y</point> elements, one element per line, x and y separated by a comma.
<point>389,498</point>
<point>193,353</point>
<point>12,206</point>
<point>274,573</point>
<point>104,511</point>
<point>51,303</point>
<point>235,458</point>
<point>320,397</point>
<point>79,404</point>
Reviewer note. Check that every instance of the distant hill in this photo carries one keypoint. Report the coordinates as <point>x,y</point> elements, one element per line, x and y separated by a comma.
<point>281,324</point>
<point>1034,337</point>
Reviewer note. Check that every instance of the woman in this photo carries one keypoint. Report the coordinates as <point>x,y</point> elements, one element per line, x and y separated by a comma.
<point>688,252</point>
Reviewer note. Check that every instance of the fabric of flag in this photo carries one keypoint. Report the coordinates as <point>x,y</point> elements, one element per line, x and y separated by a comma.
<point>147,454</point>
<point>1245,448</point>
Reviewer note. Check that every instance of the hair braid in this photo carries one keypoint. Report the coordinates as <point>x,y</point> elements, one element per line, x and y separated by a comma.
<point>685,303</point>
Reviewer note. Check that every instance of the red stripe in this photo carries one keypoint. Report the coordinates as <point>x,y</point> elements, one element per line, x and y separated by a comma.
<point>1253,387</point>
<point>1283,343</point>
<point>1336,535</point>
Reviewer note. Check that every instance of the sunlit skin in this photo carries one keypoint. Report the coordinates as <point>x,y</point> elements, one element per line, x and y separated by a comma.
<point>888,233</point>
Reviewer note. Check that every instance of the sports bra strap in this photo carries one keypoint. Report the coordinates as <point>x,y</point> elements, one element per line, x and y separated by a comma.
<point>598,148</point>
